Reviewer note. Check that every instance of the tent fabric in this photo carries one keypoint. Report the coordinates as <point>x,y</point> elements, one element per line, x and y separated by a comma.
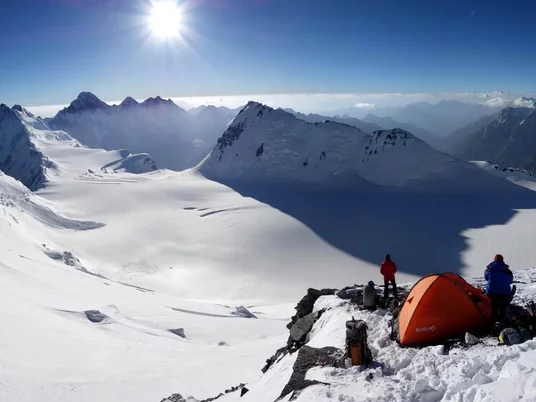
<point>441,307</point>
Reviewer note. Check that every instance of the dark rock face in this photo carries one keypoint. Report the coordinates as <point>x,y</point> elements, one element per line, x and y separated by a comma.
<point>300,326</point>
<point>270,361</point>
<point>243,312</point>
<point>306,304</point>
<point>231,135</point>
<point>178,332</point>
<point>95,316</point>
<point>308,358</point>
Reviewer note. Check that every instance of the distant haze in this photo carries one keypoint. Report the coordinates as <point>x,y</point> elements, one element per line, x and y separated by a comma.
<point>322,103</point>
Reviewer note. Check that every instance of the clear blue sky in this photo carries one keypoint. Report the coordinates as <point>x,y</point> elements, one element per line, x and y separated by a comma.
<point>53,49</point>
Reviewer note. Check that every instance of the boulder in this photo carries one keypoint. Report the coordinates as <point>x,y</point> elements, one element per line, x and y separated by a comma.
<point>95,316</point>
<point>300,329</point>
<point>241,311</point>
<point>178,331</point>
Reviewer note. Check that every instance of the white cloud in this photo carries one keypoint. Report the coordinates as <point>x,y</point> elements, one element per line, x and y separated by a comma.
<point>524,102</point>
<point>45,111</point>
<point>365,105</point>
<point>498,102</point>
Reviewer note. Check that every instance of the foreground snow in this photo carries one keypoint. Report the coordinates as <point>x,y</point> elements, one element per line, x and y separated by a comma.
<point>484,372</point>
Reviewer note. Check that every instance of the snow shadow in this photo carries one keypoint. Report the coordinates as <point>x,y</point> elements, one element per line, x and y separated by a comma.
<point>422,230</point>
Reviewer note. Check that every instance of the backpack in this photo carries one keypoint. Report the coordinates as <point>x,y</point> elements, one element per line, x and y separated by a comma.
<point>510,336</point>
<point>357,343</point>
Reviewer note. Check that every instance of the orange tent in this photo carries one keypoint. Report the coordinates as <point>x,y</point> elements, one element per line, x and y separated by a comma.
<point>441,307</point>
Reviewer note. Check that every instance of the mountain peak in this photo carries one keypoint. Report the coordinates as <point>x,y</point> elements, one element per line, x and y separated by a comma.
<point>22,110</point>
<point>156,101</point>
<point>85,101</point>
<point>5,109</point>
<point>129,102</point>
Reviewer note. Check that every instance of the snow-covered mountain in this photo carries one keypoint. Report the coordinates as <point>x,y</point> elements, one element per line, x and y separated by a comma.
<point>27,143</point>
<point>175,138</point>
<point>19,156</point>
<point>390,123</point>
<point>509,139</point>
<point>525,101</point>
<point>263,144</point>
<point>156,126</point>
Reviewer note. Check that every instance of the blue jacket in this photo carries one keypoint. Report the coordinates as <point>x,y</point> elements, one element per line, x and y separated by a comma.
<point>499,278</point>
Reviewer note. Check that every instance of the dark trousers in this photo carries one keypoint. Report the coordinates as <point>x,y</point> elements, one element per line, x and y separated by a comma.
<point>498,306</point>
<point>386,288</point>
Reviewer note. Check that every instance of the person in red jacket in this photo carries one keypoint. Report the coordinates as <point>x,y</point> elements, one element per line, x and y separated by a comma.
<point>388,270</point>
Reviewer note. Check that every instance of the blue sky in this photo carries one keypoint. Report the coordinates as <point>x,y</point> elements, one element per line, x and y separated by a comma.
<point>53,49</point>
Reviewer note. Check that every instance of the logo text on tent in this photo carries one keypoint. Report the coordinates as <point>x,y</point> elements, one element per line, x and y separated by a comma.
<point>425,329</point>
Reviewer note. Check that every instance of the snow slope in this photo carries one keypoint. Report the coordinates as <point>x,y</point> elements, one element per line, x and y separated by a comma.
<point>52,351</point>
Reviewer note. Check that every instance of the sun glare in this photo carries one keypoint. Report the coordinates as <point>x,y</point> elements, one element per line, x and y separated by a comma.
<point>165,19</point>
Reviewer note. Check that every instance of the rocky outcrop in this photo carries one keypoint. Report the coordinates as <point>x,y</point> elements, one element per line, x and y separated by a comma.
<point>300,325</point>
<point>308,358</point>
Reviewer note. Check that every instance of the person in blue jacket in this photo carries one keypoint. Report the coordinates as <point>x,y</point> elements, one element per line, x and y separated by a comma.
<point>499,278</point>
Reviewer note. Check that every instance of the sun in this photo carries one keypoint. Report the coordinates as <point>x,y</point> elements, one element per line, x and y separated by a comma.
<point>165,19</point>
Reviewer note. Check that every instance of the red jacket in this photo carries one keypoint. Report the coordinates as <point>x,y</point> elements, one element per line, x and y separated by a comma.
<point>388,270</point>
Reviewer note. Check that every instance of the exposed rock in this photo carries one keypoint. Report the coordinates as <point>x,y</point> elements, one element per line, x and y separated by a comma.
<point>470,339</point>
<point>271,360</point>
<point>243,312</point>
<point>70,259</point>
<point>306,304</point>
<point>298,332</point>
<point>178,331</point>
<point>95,316</point>
<point>301,328</point>
<point>308,358</point>
<point>178,398</point>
